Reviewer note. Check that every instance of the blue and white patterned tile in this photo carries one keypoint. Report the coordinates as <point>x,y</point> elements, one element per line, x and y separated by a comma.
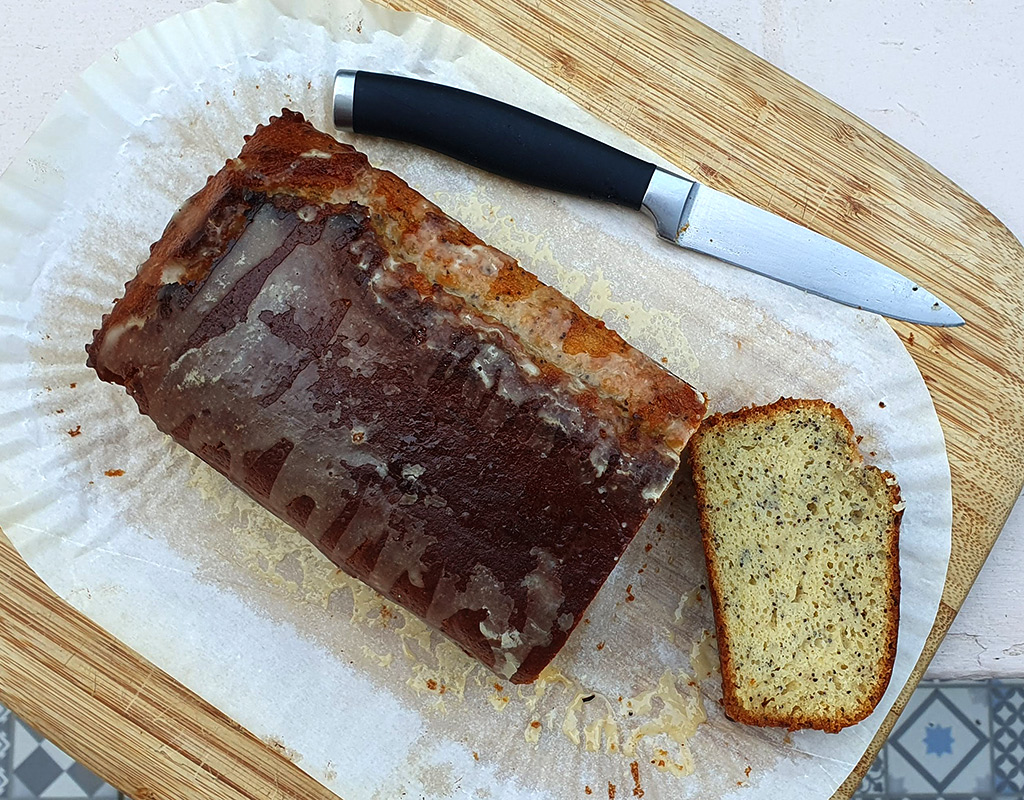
<point>5,748</point>
<point>34,768</point>
<point>940,745</point>
<point>954,741</point>
<point>873,785</point>
<point>1007,704</point>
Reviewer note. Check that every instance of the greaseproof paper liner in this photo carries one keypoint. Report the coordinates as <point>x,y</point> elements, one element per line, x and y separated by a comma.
<point>158,549</point>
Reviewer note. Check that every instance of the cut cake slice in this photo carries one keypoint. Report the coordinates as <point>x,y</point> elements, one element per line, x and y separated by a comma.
<point>801,540</point>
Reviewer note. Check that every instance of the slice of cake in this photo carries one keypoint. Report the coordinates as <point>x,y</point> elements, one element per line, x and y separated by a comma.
<point>437,421</point>
<point>802,546</point>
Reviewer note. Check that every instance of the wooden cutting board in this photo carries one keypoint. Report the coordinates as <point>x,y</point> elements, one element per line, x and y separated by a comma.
<point>734,122</point>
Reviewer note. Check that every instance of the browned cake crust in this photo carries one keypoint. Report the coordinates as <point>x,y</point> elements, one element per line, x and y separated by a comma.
<point>886,616</point>
<point>440,423</point>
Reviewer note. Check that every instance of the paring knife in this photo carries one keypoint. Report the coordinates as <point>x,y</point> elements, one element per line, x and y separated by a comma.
<point>517,144</point>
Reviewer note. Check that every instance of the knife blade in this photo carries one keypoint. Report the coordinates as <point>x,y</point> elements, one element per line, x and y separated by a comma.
<point>522,146</point>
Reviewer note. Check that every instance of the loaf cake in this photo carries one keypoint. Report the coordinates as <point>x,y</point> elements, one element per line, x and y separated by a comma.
<point>437,421</point>
<point>802,547</point>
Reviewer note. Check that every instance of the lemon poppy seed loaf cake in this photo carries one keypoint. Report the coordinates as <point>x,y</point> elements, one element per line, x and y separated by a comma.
<point>438,422</point>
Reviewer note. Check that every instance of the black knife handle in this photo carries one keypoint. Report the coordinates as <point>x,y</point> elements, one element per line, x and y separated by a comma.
<point>491,135</point>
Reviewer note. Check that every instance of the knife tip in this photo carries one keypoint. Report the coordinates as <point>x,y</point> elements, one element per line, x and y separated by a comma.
<point>939,316</point>
<point>949,318</point>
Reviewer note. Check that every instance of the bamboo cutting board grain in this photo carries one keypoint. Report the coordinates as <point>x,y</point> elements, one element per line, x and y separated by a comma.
<point>734,122</point>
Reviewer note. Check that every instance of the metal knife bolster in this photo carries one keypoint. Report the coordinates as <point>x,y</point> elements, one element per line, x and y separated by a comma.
<point>667,201</point>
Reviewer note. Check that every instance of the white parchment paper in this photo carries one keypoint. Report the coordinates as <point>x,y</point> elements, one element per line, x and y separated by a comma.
<point>162,552</point>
